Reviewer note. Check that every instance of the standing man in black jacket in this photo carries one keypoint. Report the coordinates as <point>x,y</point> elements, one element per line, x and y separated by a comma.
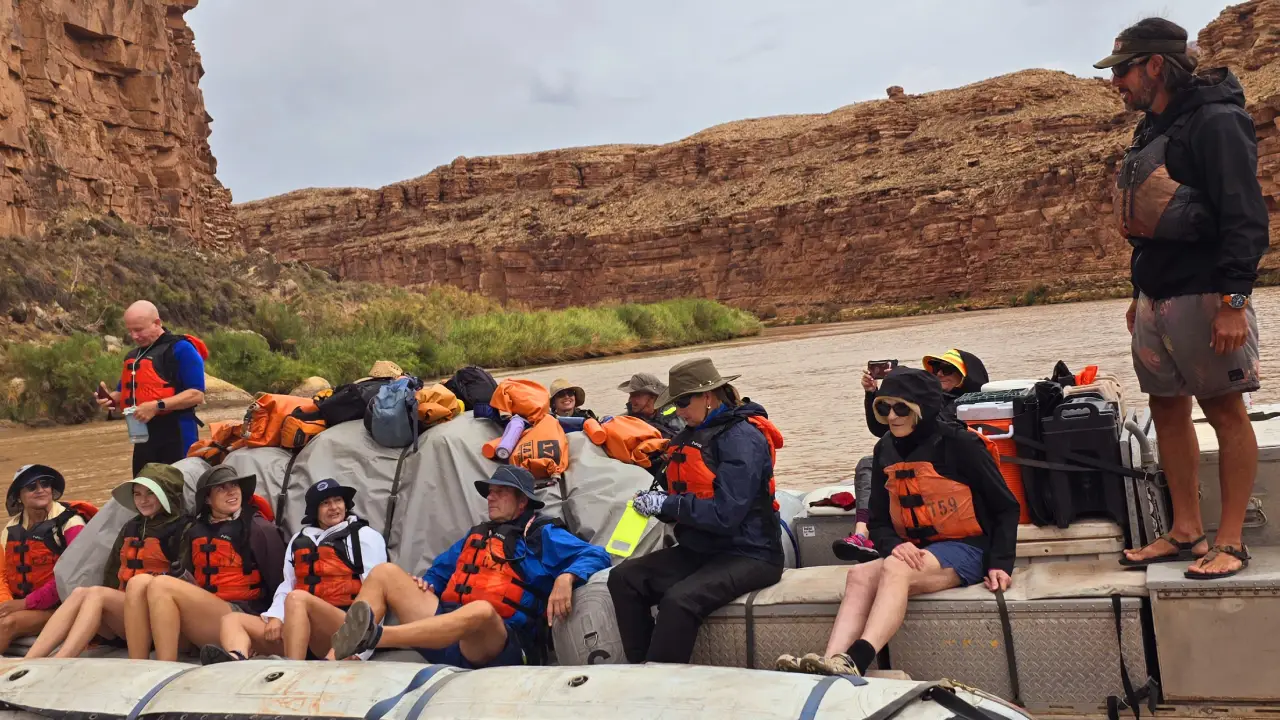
<point>1189,201</point>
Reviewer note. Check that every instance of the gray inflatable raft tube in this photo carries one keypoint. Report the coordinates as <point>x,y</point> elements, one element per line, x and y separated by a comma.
<point>401,691</point>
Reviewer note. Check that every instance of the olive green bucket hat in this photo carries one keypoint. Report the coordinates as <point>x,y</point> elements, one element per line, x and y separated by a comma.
<point>691,377</point>
<point>153,477</point>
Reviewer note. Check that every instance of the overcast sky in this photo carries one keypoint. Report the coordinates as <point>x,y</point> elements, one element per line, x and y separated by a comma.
<point>324,93</point>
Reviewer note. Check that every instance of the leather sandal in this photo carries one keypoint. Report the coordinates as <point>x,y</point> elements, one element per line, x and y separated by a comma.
<point>1182,551</point>
<point>1241,553</point>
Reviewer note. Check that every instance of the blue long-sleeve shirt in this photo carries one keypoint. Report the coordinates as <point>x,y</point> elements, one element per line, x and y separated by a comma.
<point>560,552</point>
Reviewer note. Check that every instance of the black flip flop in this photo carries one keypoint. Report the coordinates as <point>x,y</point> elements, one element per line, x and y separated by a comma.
<point>1184,551</point>
<point>214,654</point>
<point>1241,554</point>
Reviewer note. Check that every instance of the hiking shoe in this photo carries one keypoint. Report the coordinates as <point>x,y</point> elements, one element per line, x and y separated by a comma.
<point>787,663</point>
<point>359,632</point>
<point>855,548</point>
<point>214,654</point>
<point>838,664</point>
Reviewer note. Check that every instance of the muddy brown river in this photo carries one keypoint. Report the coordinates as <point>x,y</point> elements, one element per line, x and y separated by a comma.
<point>806,377</point>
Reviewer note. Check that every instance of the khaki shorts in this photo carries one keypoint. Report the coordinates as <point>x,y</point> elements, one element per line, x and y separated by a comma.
<point>1172,354</point>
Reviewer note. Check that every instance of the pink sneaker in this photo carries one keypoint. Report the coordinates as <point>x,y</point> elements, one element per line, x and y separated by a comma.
<point>855,548</point>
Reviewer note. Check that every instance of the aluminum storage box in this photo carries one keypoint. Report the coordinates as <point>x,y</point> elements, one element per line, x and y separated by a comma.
<point>957,634</point>
<point>1262,520</point>
<point>1219,640</point>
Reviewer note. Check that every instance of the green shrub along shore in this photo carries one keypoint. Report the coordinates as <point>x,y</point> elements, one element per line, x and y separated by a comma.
<point>270,325</point>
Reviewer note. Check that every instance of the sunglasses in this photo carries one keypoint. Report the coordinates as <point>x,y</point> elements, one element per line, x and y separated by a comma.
<point>683,402</point>
<point>939,367</point>
<point>43,483</point>
<point>900,409</point>
<point>1123,68</point>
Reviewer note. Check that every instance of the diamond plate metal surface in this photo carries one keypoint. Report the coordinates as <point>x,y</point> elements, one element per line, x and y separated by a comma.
<point>814,536</point>
<point>1066,650</point>
<point>722,641</point>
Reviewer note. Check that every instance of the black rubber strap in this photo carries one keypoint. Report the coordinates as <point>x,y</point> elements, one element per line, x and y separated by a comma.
<point>1011,657</point>
<point>284,487</point>
<point>416,711</point>
<point>900,702</point>
<point>382,707</point>
<point>394,498</point>
<point>751,629</point>
<point>1132,697</point>
<point>146,699</point>
<point>819,691</point>
<point>1089,463</point>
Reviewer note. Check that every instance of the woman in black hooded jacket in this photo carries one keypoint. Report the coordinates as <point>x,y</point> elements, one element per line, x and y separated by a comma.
<point>941,517</point>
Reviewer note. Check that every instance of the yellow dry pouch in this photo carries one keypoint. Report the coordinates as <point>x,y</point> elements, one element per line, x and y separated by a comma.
<point>627,534</point>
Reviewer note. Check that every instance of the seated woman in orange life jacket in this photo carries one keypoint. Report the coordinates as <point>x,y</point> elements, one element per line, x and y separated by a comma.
<point>147,545</point>
<point>231,557</point>
<point>941,517</point>
<point>37,534</point>
<point>327,563</point>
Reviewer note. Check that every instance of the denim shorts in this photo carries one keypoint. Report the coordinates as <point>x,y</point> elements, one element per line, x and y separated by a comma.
<point>965,559</point>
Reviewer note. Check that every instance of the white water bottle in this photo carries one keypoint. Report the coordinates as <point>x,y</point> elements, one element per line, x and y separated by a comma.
<point>138,432</point>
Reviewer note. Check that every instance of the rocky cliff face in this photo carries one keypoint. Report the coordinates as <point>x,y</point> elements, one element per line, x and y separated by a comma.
<point>985,191</point>
<point>100,106</point>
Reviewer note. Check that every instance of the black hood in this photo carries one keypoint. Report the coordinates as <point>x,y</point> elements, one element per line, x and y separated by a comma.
<point>975,374</point>
<point>1218,85</point>
<point>916,386</point>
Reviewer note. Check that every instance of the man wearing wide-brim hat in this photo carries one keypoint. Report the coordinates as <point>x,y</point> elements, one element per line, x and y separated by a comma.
<point>643,390</point>
<point>719,497</point>
<point>482,600</point>
<point>1188,199</point>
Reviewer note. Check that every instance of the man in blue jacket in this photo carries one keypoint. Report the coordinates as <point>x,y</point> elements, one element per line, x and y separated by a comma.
<point>481,602</point>
<point>719,479</point>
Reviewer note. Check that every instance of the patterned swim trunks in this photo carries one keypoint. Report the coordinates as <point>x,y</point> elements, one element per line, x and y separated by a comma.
<point>1173,355</point>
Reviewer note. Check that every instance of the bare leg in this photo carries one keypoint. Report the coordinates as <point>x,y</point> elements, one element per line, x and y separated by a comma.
<point>1237,469</point>
<point>1180,457</point>
<point>137,617</point>
<point>21,623</point>
<point>179,609</point>
<point>55,631</point>
<point>100,604</point>
<point>897,582</point>
<point>309,622</point>
<point>389,586</point>
<point>246,634</point>
<point>476,627</point>
<point>859,592</point>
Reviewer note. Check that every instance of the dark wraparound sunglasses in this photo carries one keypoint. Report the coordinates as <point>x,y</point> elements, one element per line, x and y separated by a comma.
<point>937,366</point>
<point>683,402</point>
<point>43,483</point>
<point>900,409</point>
<point>1123,68</point>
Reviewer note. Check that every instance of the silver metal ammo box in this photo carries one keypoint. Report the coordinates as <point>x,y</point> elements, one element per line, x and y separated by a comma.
<point>1219,640</point>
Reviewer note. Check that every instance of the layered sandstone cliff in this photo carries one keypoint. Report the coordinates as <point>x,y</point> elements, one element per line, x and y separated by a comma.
<point>100,106</point>
<point>984,191</point>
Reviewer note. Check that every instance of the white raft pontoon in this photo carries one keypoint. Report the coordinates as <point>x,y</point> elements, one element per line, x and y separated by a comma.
<point>96,688</point>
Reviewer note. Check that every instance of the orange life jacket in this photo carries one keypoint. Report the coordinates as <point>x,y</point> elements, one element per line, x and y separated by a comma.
<point>153,555</point>
<point>924,505</point>
<point>223,438</point>
<point>626,438</point>
<point>222,560</point>
<point>488,568</point>
<point>29,554</point>
<point>525,398</point>
<point>149,373</point>
<point>691,465</point>
<point>264,419</point>
<point>327,571</point>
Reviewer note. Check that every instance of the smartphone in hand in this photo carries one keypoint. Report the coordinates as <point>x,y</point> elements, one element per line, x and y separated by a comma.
<point>880,368</point>
<point>104,395</point>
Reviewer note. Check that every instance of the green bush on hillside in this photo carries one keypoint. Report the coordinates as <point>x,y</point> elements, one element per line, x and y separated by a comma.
<point>61,379</point>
